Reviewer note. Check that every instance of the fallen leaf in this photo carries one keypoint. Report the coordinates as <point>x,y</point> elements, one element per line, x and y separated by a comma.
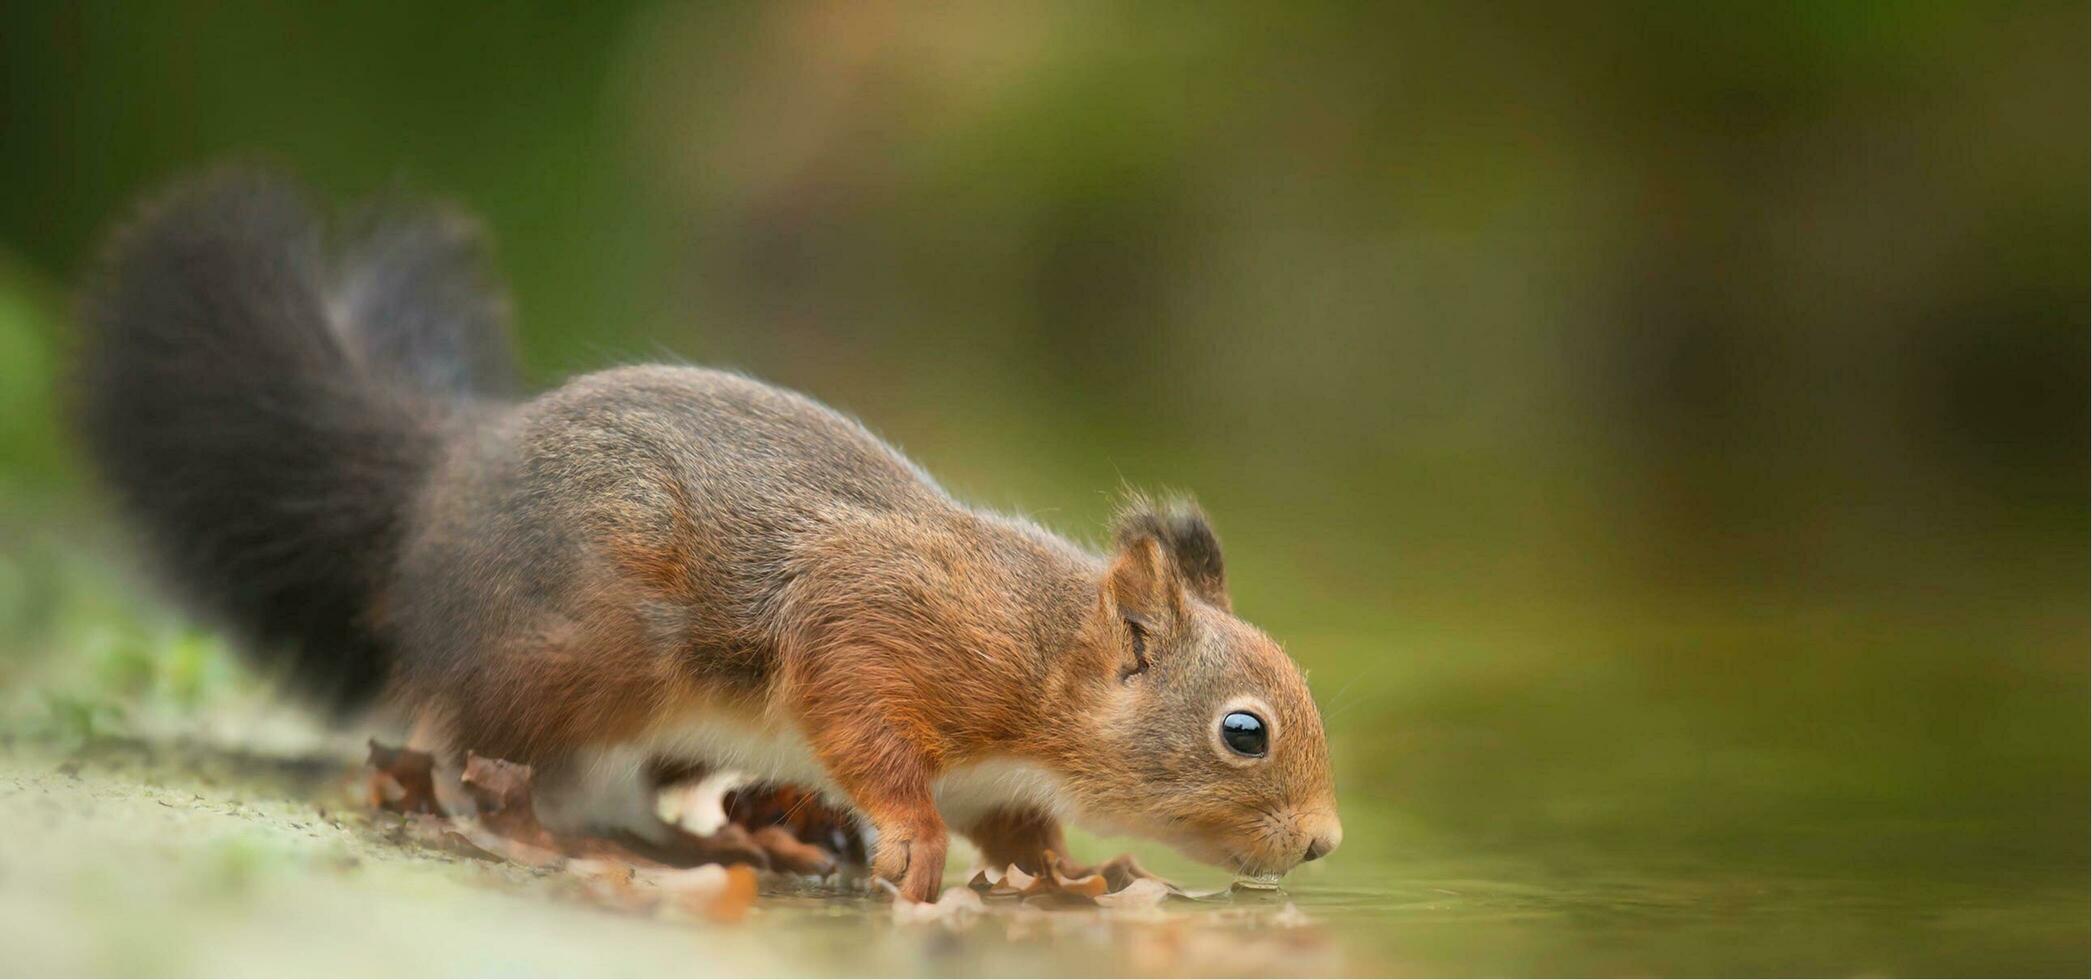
<point>1086,886</point>
<point>1141,893</point>
<point>497,785</point>
<point>401,780</point>
<point>1122,871</point>
<point>1003,887</point>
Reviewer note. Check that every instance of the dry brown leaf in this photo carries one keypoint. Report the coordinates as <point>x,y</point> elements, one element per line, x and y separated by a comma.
<point>1141,893</point>
<point>1003,891</point>
<point>497,785</point>
<point>401,780</point>
<point>1088,886</point>
<point>1122,871</point>
<point>1120,884</point>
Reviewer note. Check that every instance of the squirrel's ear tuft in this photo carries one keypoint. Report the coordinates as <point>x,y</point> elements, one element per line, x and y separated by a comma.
<point>1197,550</point>
<point>1190,547</point>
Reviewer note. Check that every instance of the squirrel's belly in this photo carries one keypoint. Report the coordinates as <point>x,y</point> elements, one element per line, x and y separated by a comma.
<point>972,791</point>
<point>770,752</point>
<point>761,751</point>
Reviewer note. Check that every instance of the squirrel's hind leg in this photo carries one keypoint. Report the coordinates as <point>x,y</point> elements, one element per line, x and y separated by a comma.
<point>1021,836</point>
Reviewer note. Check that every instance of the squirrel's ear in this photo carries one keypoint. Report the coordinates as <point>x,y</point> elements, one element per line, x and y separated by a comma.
<point>1191,549</point>
<point>1139,581</point>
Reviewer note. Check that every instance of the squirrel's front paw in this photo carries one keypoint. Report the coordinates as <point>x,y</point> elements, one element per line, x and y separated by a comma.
<point>915,866</point>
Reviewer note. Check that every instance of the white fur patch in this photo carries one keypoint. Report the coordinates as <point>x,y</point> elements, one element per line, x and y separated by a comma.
<point>761,749</point>
<point>974,790</point>
<point>699,807</point>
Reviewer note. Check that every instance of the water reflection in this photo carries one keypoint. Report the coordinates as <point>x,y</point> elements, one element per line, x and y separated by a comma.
<point>1385,920</point>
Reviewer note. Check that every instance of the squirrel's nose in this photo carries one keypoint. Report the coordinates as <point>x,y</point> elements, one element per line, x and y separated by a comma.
<point>1324,839</point>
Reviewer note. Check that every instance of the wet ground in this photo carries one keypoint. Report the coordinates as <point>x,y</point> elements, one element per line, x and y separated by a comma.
<point>126,857</point>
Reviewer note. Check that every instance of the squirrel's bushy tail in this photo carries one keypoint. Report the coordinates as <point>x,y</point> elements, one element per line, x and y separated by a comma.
<point>265,400</point>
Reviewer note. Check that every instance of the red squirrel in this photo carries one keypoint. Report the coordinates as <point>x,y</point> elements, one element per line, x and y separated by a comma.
<point>312,424</point>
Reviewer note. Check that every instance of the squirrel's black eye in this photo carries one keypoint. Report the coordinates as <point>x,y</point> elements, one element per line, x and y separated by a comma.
<point>1244,733</point>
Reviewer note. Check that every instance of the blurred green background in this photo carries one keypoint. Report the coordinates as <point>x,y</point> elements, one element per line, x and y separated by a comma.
<point>1659,429</point>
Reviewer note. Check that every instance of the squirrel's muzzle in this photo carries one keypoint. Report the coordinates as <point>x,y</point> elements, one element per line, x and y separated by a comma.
<point>1324,834</point>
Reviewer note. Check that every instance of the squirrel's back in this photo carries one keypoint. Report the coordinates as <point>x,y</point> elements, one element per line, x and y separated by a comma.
<point>728,436</point>
<point>664,529</point>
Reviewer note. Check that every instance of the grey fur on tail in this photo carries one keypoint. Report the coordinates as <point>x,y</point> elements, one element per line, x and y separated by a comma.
<point>265,400</point>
